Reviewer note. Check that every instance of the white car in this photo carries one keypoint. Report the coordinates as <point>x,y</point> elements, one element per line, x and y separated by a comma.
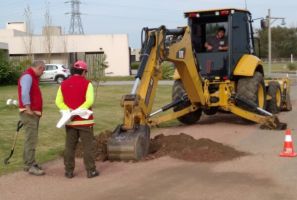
<point>55,72</point>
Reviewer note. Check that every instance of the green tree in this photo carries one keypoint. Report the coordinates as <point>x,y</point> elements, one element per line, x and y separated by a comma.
<point>283,42</point>
<point>98,71</point>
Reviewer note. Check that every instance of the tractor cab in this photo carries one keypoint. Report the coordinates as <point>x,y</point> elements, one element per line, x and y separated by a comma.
<point>219,39</point>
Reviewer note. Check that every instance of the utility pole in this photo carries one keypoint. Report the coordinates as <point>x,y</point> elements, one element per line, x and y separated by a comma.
<point>75,27</point>
<point>270,20</point>
<point>269,42</point>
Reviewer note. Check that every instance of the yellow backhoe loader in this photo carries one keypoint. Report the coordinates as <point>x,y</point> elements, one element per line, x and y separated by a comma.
<point>230,80</point>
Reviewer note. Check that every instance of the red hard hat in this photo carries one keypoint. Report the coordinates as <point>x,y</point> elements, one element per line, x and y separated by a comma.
<point>80,64</point>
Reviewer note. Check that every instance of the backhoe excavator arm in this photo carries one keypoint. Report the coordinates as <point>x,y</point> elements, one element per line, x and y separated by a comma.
<point>131,139</point>
<point>138,104</point>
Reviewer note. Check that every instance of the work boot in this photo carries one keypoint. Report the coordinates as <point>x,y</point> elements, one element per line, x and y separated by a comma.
<point>92,173</point>
<point>69,174</point>
<point>36,170</point>
<point>27,167</point>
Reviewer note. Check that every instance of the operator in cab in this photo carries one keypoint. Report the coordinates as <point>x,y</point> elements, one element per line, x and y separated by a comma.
<point>217,42</point>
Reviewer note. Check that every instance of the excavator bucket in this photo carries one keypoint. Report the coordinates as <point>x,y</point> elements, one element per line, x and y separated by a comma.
<point>130,144</point>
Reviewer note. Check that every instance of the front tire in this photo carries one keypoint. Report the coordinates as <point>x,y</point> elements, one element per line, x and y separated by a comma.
<point>178,92</point>
<point>252,89</point>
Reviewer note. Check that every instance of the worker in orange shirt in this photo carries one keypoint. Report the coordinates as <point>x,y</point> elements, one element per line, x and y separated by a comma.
<point>73,94</point>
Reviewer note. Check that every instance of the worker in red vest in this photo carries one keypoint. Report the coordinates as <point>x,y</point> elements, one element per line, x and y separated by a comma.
<point>78,93</point>
<point>30,106</point>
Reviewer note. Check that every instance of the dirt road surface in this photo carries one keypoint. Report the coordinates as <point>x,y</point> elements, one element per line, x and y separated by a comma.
<point>261,175</point>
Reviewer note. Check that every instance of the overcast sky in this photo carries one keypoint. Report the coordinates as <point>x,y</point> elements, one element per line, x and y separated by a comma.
<point>129,16</point>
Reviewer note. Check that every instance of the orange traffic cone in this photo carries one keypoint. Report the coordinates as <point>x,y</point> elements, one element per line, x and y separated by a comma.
<point>288,146</point>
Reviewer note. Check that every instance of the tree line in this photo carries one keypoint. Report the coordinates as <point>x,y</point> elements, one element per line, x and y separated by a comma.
<point>283,42</point>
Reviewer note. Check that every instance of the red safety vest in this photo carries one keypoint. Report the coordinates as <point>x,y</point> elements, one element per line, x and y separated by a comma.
<point>74,92</point>
<point>35,93</point>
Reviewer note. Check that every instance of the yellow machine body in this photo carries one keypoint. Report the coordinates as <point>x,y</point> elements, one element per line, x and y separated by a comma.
<point>199,92</point>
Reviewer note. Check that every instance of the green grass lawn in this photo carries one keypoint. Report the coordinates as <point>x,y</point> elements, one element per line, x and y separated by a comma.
<point>107,111</point>
<point>275,67</point>
<point>119,78</point>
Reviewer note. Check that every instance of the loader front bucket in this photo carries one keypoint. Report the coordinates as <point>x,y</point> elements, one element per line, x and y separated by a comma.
<point>265,118</point>
<point>273,123</point>
<point>130,144</point>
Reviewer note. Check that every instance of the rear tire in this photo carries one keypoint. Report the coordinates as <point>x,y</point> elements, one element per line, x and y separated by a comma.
<point>178,92</point>
<point>274,104</point>
<point>252,89</point>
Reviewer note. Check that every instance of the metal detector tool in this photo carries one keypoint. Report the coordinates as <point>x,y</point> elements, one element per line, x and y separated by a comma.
<point>19,126</point>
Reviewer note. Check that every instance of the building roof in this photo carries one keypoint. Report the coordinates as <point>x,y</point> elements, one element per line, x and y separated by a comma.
<point>188,13</point>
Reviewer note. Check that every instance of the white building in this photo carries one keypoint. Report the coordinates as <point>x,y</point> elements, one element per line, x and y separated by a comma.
<point>66,49</point>
<point>3,46</point>
<point>135,55</point>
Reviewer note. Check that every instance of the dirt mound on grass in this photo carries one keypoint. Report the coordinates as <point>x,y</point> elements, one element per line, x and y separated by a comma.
<point>180,146</point>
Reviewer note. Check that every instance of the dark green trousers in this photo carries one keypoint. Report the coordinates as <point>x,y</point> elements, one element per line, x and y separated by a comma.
<point>86,136</point>
<point>31,124</point>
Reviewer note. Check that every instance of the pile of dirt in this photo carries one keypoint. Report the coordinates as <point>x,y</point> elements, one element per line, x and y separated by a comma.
<point>187,148</point>
<point>101,148</point>
<point>180,146</point>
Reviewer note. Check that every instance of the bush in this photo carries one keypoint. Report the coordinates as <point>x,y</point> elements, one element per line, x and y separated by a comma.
<point>135,65</point>
<point>9,73</point>
<point>167,70</point>
<point>292,66</point>
<point>22,65</point>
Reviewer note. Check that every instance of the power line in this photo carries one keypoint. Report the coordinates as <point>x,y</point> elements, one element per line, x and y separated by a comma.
<point>76,26</point>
